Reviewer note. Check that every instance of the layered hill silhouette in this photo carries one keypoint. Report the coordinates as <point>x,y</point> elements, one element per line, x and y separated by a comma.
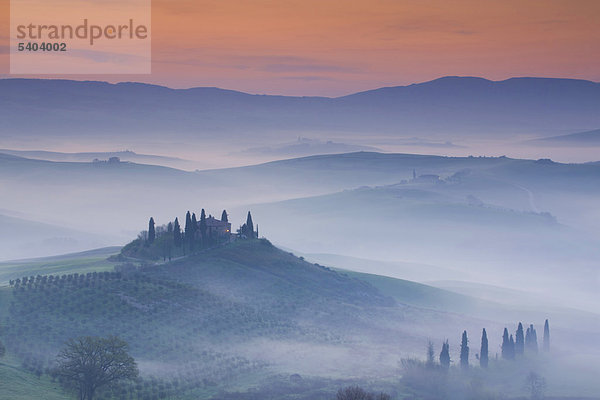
<point>450,105</point>
<point>242,321</point>
<point>512,186</point>
<point>587,138</point>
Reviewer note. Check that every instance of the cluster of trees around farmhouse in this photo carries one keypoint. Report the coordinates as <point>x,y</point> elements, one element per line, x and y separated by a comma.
<point>173,240</point>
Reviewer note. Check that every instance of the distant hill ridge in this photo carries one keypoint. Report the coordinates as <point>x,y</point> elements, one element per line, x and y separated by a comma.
<point>580,138</point>
<point>447,105</point>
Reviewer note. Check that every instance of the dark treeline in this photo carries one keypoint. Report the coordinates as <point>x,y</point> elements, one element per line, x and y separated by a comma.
<point>512,346</point>
<point>197,234</point>
<point>518,362</point>
<point>523,342</point>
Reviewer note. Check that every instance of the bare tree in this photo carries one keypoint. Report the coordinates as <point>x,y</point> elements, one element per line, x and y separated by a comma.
<point>358,393</point>
<point>88,363</point>
<point>535,385</point>
<point>430,355</point>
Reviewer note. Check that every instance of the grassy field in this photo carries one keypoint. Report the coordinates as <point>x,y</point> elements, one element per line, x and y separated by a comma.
<point>18,384</point>
<point>89,261</point>
<point>187,322</point>
<point>192,325</point>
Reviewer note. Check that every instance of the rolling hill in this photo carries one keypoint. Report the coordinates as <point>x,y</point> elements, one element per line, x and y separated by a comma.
<point>114,199</point>
<point>213,320</point>
<point>22,238</point>
<point>587,138</point>
<point>438,224</point>
<point>243,321</point>
<point>126,155</point>
<point>456,106</point>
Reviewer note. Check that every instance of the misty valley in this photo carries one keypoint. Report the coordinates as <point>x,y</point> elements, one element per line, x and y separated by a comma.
<point>437,281</point>
<point>374,246</point>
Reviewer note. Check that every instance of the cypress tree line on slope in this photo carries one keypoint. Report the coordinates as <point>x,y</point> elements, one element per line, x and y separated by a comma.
<point>170,240</point>
<point>464,351</point>
<point>483,353</point>
<point>510,347</point>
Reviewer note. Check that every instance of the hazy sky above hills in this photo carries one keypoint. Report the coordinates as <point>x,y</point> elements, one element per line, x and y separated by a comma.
<point>336,47</point>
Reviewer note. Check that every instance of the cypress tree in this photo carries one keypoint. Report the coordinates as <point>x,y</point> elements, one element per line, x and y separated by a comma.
<point>531,339</point>
<point>188,228</point>
<point>194,231</point>
<point>519,340</point>
<point>534,343</point>
<point>511,348</point>
<point>484,354</point>
<point>151,231</point>
<point>249,226</point>
<point>445,355</point>
<point>188,224</point>
<point>505,345</point>
<point>224,217</point>
<point>177,233</point>
<point>430,355</point>
<point>464,351</point>
<point>203,227</point>
<point>546,336</point>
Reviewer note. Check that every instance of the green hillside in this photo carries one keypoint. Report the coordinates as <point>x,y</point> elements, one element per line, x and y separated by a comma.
<point>419,295</point>
<point>84,262</point>
<point>181,318</point>
<point>17,383</point>
<point>241,321</point>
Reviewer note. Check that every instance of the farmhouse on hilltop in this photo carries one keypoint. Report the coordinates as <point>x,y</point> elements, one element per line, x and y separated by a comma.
<point>217,228</point>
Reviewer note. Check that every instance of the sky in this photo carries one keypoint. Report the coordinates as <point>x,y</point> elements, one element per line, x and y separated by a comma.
<point>332,47</point>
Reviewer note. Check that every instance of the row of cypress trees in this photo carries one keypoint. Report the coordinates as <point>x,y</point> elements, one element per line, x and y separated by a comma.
<point>195,232</point>
<point>511,348</point>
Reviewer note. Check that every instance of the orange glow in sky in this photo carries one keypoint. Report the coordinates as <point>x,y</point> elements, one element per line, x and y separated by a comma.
<point>333,47</point>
